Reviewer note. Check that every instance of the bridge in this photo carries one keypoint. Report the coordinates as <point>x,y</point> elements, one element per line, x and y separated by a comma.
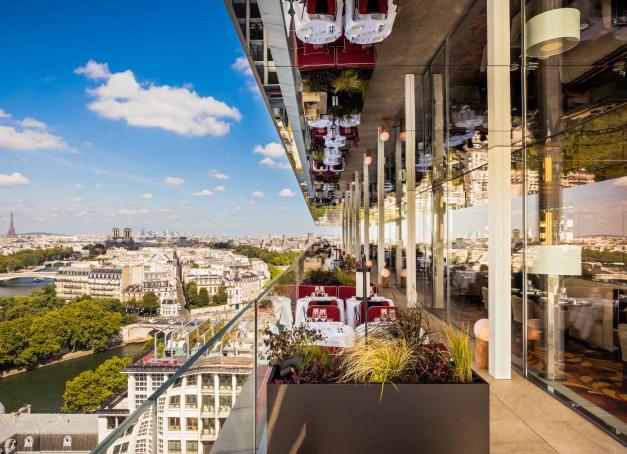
<point>28,274</point>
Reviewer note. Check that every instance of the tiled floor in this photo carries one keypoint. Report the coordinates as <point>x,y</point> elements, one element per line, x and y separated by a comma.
<point>526,419</point>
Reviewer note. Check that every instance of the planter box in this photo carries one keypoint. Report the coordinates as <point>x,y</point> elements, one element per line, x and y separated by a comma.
<point>348,418</point>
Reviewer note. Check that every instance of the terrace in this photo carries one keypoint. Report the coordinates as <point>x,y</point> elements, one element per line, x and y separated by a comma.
<point>473,158</point>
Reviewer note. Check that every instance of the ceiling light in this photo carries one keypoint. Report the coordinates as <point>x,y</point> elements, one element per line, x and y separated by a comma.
<point>553,32</point>
<point>385,130</point>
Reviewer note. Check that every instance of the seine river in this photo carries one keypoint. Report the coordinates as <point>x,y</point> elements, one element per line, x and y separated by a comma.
<point>43,388</point>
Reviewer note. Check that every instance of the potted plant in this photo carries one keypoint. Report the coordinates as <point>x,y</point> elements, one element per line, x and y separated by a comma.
<point>398,391</point>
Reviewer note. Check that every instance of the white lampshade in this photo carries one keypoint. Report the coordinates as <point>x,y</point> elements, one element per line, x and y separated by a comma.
<point>552,32</point>
<point>385,272</point>
<point>385,135</point>
<point>482,329</point>
<point>554,260</point>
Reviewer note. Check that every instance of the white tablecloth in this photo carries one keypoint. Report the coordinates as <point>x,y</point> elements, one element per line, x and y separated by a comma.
<point>303,303</point>
<point>352,309</point>
<point>335,334</point>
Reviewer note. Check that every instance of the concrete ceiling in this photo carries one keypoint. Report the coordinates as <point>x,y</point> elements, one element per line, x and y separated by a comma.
<point>419,30</point>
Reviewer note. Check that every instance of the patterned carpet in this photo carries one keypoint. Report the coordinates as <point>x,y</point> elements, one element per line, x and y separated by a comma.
<point>591,373</point>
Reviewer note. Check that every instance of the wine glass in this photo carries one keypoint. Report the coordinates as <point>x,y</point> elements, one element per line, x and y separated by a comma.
<point>384,315</point>
<point>323,315</point>
<point>316,314</point>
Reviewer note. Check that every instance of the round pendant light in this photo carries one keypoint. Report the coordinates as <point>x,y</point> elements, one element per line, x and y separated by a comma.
<point>552,32</point>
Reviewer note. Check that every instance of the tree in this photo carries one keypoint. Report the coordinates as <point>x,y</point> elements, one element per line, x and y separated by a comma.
<point>86,392</point>
<point>203,298</point>
<point>221,297</point>
<point>192,294</point>
<point>150,303</point>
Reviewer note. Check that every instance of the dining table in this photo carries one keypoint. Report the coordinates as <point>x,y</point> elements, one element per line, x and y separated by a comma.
<point>352,308</point>
<point>335,334</point>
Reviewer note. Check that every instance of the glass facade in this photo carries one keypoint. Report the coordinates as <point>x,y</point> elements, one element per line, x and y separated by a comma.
<point>568,195</point>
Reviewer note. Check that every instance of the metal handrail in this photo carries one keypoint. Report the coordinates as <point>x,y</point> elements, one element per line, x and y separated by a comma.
<point>152,399</point>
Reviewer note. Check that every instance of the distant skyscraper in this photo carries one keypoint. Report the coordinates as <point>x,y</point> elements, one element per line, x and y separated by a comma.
<point>11,232</point>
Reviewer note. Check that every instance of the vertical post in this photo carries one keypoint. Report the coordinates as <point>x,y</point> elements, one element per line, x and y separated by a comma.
<point>342,237</point>
<point>366,210</point>
<point>410,166</point>
<point>499,189</point>
<point>398,160</point>
<point>357,212</point>
<point>349,221</point>
<point>380,207</point>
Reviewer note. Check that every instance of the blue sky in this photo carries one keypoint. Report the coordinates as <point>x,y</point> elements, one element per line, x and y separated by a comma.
<point>136,113</point>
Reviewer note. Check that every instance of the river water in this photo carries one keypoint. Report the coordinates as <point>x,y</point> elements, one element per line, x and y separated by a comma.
<point>43,388</point>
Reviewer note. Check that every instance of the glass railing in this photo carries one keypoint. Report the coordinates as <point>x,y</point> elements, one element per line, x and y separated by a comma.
<point>192,354</point>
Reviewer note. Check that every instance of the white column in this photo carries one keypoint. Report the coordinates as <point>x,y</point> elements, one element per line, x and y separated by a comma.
<point>410,166</point>
<point>380,207</point>
<point>366,210</point>
<point>342,237</point>
<point>499,189</point>
<point>357,212</point>
<point>398,158</point>
<point>349,221</point>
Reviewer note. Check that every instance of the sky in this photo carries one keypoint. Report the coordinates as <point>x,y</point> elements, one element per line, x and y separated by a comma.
<point>140,114</point>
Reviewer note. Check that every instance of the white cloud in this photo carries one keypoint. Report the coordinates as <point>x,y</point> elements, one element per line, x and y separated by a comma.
<point>237,208</point>
<point>258,194</point>
<point>126,212</point>
<point>29,134</point>
<point>173,181</point>
<point>218,175</point>
<point>30,122</point>
<point>203,193</point>
<point>286,193</point>
<point>276,164</point>
<point>274,155</point>
<point>241,65</point>
<point>184,202</point>
<point>219,188</point>
<point>272,150</point>
<point>79,187</point>
<point>180,110</point>
<point>77,200</point>
<point>99,186</point>
<point>147,196</point>
<point>94,70</point>
<point>14,179</point>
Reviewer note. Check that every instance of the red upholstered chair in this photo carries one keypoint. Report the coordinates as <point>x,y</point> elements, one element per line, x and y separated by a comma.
<point>346,291</point>
<point>349,55</point>
<point>372,6</point>
<point>333,312</point>
<point>305,290</point>
<point>330,290</point>
<point>371,305</point>
<point>375,312</point>
<point>310,57</point>
<point>321,7</point>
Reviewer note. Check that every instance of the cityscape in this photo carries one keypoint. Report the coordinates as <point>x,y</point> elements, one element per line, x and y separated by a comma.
<point>313,226</point>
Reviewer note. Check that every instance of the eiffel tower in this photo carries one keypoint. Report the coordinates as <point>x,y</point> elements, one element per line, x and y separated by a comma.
<point>11,228</point>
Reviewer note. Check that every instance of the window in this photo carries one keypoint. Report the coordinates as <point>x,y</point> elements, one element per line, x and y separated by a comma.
<point>157,380</point>
<point>174,445</point>
<point>191,380</point>
<point>192,424</point>
<point>225,403</point>
<point>124,447</point>
<point>208,426</point>
<point>192,446</point>
<point>177,383</point>
<point>174,424</point>
<point>207,403</point>
<point>191,401</point>
<point>111,422</point>
<point>175,401</point>
<point>226,382</point>
<point>141,382</point>
<point>139,399</point>
<point>207,381</point>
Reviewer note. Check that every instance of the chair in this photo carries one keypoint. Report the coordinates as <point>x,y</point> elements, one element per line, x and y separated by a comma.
<point>333,312</point>
<point>305,290</point>
<point>346,291</point>
<point>375,312</point>
<point>330,290</point>
<point>371,305</point>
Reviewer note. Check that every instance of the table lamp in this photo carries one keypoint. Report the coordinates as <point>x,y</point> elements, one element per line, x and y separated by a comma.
<point>554,261</point>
